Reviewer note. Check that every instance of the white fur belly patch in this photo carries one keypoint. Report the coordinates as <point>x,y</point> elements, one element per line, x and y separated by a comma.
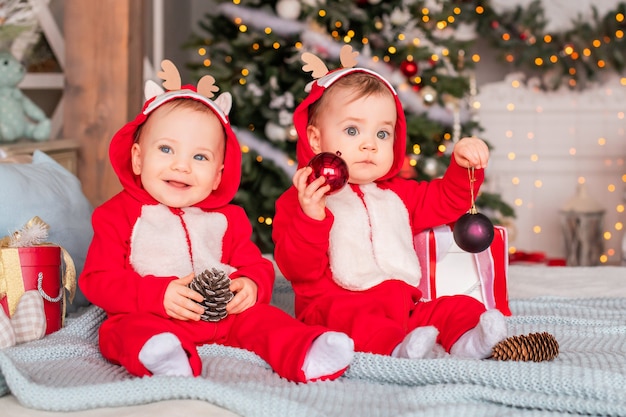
<point>162,246</point>
<point>371,239</point>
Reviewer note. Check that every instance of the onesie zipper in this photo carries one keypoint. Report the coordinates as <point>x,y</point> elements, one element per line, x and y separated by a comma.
<point>357,190</point>
<point>180,213</point>
<point>361,195</point>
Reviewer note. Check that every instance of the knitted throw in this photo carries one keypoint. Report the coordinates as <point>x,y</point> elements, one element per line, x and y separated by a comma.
<point>65,372</point>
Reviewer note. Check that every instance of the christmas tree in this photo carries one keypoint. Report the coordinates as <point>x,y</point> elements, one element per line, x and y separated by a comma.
<point>423,48</point>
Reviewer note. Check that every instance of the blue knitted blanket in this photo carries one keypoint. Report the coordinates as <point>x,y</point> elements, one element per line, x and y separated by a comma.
<point>65,372</point>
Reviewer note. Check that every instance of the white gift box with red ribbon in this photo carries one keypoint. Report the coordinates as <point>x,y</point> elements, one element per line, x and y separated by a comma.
<point>449,270</point>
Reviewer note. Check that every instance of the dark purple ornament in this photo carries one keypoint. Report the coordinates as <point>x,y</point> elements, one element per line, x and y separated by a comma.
<point>473,232</point>
<point>330,166</point>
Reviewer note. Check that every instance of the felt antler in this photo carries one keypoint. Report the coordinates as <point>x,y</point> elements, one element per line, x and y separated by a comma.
<point>172,82</point>
<point>347,56</point>
<point>169,75</point>
<point>314,64</point>
<point>318,69</point>
<point>206,86</point>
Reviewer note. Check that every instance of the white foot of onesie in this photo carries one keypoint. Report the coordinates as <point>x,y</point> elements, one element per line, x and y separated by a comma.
<point>163,354</point>
<point>478,342</point>
<point>329,353</point>
<point>418,344</point>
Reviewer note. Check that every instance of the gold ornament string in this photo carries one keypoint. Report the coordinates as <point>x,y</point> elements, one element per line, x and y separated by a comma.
<point>472,180</point>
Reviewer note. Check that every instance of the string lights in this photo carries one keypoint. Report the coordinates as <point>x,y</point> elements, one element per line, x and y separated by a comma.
<point>574,57</point>
<point>423,48</point>
<point>545,140</point>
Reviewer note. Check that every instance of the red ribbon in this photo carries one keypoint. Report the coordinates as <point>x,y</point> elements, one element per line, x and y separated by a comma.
<point>535,258</point>
<point>491,267</point>
<point>531,257</point>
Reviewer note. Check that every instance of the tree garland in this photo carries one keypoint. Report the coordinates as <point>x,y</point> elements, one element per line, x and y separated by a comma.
<point>584,53</point>
<point>588,50</point>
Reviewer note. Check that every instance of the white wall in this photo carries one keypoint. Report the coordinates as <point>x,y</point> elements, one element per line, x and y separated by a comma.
<point>564,131</point>
<point>545,143</point>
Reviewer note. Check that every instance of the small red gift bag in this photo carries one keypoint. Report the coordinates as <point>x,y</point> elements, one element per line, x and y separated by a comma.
<point>33,280</point>
<point>34,268</point>
<point>448,270</point>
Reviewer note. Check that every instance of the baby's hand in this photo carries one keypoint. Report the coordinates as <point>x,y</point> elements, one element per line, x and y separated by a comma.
<point>471,152</point>
<point>245,291</point>
<point>312,197</point>
<point>180,300</point>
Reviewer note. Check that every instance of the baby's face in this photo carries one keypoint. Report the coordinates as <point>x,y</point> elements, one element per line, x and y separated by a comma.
<point>362,130</point>
<point>180,156</point>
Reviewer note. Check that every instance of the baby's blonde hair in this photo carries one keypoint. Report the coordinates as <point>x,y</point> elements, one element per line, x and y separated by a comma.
<point>183,103</point>
<point>357,84</point>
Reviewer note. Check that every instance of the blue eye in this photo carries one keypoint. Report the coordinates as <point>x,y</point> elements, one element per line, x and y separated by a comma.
<point>381,134</point>
<point>165,149</point>
<point>200,158</point>
<point>352,131</point>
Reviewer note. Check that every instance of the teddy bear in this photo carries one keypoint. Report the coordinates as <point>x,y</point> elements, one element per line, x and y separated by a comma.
<point>19,116</point>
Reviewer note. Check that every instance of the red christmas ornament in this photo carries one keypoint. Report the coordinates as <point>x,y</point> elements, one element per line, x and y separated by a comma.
<point>330,166</point>
<point>408,68</point>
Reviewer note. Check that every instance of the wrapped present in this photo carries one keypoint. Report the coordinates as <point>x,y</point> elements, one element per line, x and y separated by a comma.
<point>534,258</point>
<point>530,258</point>
<point>33,283</point>
<point>448,270</point>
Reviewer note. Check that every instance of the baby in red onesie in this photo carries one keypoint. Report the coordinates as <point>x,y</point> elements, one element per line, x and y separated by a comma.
<point>179,163</point>
<point>350,255</point>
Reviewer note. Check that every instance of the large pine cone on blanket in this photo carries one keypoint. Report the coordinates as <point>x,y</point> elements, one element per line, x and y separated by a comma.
<point>214,286</point>
<point>534,347</point>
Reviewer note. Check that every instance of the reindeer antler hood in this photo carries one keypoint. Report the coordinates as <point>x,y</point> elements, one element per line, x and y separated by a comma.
<point>122,142</point>
<point>325,79</point>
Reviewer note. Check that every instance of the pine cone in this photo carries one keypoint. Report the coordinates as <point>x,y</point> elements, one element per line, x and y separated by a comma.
<point>214,286</point>
<point>534,347</point>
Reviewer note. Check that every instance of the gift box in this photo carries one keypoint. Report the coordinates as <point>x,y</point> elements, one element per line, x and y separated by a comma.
<point>449,270</point>
<point>33,284</point>
<point>534,258</point>
<point>34,268</point>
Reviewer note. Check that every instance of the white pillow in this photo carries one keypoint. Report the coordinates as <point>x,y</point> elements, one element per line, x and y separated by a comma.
<point>46,189</point>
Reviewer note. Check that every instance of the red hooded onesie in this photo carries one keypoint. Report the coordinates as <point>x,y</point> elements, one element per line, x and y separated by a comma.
<point>139,246</point>
<point>356,271</point>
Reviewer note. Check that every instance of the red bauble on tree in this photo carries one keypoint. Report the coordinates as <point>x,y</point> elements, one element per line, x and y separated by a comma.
<point>408,170</point>
<point>409,68</point>
<point>330,166</point>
